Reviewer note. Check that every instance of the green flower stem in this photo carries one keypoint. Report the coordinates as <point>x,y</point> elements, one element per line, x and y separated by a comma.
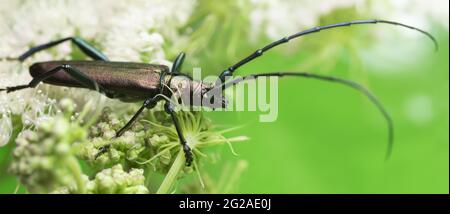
<point>73,165</point>
<point>172,175</point>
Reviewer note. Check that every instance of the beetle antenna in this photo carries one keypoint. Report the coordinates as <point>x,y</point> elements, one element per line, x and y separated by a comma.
<point>349,83</point>
<point>229,71</point>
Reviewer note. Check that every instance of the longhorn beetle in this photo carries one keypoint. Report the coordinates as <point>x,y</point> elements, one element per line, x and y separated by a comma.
<point>131,82</point>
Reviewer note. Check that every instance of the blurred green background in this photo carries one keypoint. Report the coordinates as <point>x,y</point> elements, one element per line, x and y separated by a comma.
<point>328,138</point>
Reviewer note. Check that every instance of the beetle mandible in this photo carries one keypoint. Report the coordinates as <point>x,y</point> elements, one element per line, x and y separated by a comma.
<point>131,82</point>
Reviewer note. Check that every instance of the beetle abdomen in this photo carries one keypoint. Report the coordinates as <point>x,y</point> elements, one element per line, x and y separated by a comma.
<point>123,80</point>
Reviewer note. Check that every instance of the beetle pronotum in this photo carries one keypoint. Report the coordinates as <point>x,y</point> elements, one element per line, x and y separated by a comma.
<point>132,82</point>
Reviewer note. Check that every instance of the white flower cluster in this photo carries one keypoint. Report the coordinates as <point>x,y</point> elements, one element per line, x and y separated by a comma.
<point>116,180</point>
<point>120,24</point>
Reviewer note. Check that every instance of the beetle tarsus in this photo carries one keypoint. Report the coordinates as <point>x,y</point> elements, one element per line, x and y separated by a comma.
<point>188,154</point>
<point>102,150</point>
<point>15,88</point>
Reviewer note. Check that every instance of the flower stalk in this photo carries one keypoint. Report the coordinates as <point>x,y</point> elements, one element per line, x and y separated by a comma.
<point>172,175</point>
<point>77,173</point>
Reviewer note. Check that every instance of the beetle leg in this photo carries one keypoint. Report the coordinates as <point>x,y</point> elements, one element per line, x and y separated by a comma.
<point>72,71</point>
<point>148,104</point>
<point>187,150</point>
<point>84,46</point>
